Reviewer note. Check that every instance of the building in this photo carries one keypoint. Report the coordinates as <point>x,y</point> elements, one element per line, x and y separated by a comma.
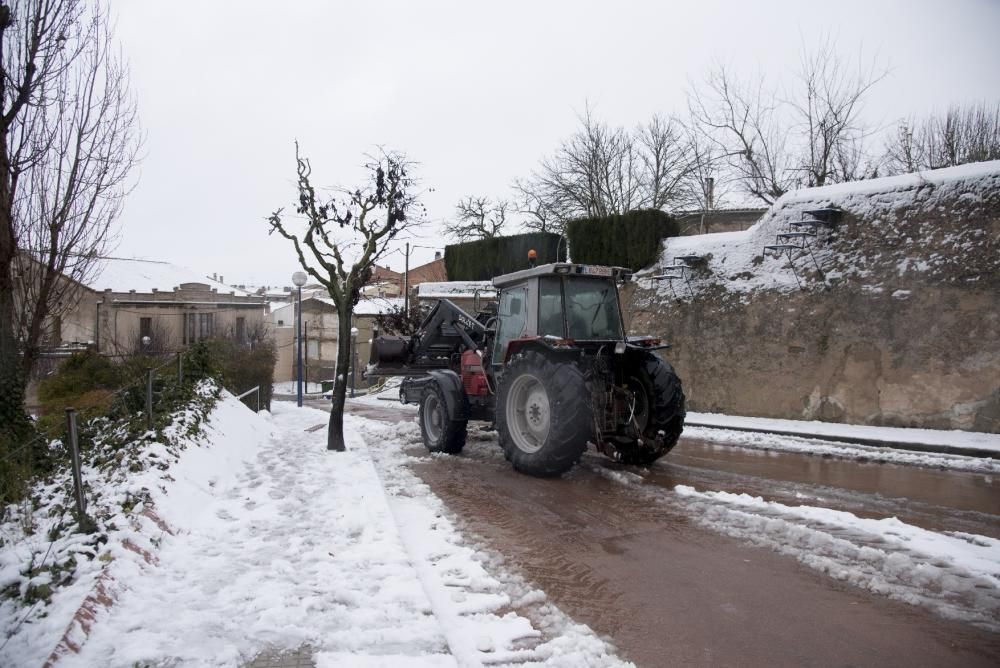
<point>321,336</point>
<point>135,305</point>
<point>470,296</point>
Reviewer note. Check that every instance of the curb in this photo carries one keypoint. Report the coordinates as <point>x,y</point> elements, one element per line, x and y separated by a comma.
<point>872,442</point>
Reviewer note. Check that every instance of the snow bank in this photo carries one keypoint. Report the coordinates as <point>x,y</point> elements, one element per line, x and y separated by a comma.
<point>884,233</point>
<point>137,500</point>
<point>955,574</point>
<point>257,539</point>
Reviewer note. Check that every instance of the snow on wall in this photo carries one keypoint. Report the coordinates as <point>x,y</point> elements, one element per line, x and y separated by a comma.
<point>924,223</point>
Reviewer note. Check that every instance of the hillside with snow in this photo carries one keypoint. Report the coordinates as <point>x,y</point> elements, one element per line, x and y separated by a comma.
<point>924,227</point>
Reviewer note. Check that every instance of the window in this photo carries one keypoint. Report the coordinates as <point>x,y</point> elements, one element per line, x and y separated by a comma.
<point>592,309</point>
<point>206,325</point>
<point>241,330</point>
<point>513,318</point>
<point>550,307</point>
<point>198,326</point>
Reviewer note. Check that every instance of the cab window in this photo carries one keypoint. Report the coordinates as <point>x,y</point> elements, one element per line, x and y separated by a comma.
<point>511,321</point>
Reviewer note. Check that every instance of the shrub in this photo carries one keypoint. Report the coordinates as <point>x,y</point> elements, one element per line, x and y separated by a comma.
<point>482,260</point>
<point>239,367</point>
<point>633,240</point>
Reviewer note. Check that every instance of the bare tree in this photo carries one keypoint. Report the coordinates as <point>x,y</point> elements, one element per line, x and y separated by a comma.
<point>828,104</point>
<point>602,170</point>
<point>741,119</point>
<point>538,211</point>
<point>962,135</point>
<point>666,163</point>
<point>810,135</point>
<point>69,139</point>
<point>478,218</point>
<point>344,237</point>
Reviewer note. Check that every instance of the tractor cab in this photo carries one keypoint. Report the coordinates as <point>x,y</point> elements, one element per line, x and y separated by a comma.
<point>572,303</point>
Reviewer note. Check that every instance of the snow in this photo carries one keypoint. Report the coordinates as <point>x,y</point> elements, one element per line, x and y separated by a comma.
<point>259,539</point>
<point>955,574</point>
<point>953,438</point>
<point>735,261</point>
<point>146,275</point>
<point>457,289</point>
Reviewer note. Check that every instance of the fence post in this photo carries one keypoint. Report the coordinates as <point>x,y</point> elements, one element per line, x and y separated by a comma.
<point>74,446</point>
<point>180,369</point>
<point>149,398</point>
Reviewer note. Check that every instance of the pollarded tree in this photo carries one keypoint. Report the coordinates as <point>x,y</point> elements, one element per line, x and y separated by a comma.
<point>343,239</point>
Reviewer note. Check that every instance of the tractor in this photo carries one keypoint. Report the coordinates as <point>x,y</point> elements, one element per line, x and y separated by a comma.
<point>549,367</point>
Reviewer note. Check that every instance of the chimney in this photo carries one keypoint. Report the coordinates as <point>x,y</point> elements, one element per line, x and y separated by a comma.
<point>437,255</point>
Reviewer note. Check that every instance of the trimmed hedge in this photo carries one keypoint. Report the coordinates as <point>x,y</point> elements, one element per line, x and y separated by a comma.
<point>633,240</point>
<point>482,260</point>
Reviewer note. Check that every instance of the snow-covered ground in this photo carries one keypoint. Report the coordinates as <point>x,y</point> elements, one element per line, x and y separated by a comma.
<point>957,575</point>
<point>952,438</point>
<point>259,539</point>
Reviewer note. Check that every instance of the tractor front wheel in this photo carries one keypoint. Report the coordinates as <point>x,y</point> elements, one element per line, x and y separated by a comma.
<point>441,432</point>
<point>543,415</point>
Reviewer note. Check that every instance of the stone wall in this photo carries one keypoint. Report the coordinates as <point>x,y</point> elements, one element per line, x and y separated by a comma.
<point>900,327</point>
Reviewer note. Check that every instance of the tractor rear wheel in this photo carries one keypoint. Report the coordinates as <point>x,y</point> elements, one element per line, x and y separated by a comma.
<point>658,410</point>
<point>440,431</point>
<point>543,414</point>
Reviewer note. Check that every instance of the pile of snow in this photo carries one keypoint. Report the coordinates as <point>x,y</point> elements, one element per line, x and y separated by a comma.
<point>127,496</point>
<point>889,239</point>
<point>955,574</point>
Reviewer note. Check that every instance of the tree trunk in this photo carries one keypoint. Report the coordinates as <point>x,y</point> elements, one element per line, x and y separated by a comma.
<point>14,423</point>
<point>335,433</point>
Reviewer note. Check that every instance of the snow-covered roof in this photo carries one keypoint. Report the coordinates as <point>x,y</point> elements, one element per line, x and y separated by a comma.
<point>144,276</point>
<point>370,305</point>
<point>456,289</point>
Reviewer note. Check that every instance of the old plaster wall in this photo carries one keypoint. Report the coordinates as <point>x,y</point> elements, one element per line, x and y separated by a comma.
<point>901,328</point>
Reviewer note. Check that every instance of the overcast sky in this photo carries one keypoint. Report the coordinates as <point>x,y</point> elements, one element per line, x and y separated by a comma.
<point>476,93</point>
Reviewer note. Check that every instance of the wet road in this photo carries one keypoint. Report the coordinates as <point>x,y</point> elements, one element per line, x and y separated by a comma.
<point>618,550</point>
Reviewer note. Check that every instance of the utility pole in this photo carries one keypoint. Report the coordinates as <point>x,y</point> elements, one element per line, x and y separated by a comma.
<point>406,281</point>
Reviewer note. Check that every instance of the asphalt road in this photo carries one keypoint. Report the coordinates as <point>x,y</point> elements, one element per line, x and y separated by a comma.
<point>616,549</point>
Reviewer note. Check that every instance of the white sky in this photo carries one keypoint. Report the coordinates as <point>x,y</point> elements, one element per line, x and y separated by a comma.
<point>476,94</point>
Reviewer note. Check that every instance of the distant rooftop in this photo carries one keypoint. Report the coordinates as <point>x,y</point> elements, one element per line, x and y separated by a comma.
<point>144,276</point>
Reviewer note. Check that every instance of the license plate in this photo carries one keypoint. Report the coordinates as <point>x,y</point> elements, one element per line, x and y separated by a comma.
<point>597,271</point>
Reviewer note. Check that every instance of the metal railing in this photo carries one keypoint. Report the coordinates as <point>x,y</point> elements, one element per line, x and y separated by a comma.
<point>250,391</point>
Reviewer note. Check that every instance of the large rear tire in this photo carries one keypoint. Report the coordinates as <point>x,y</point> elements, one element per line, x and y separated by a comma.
<point>543,415</point>
<point>659,410</point>
<point>441,432</point>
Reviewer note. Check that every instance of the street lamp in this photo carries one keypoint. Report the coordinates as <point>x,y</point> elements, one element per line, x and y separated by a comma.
<point>354,357</point>
<point>299,279</point>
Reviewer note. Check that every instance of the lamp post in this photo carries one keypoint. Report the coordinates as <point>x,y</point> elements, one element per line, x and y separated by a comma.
<point>354,357</point>
<point>299,279</point>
